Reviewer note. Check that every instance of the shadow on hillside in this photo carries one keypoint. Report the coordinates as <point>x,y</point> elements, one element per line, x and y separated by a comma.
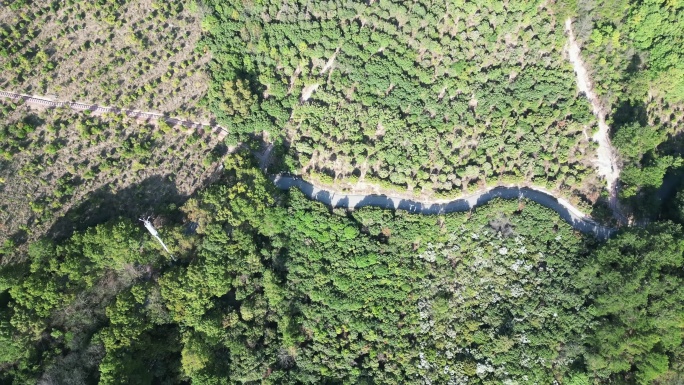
<point>674,145</point>
<point>628,112</point>
<point>156,195</point>
<point>635,64</point>
<point>658,202</point>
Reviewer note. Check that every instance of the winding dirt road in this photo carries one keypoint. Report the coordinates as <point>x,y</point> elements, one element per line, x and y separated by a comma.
<point>574,216</point>
<point>578,220</point>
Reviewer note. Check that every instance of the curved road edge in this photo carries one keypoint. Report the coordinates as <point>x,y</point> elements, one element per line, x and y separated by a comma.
<point>578,220</point>
<point>571,214</point>
<point>607,163</point>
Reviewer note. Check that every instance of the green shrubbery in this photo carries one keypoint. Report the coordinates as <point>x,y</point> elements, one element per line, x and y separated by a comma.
<point>440,96</point>
<point>636,55</point>
<point>273,288</point>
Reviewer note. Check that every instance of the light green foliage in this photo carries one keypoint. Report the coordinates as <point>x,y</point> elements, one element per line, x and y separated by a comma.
<point>443,96</point>
<point>126,321</point>
<point>635,140</point>
<point>657,27</point>
<point>63,291</point>
<point>139,344</point>
<point>109,246</point>
<point>238,98</point>
<point>276,289</point>
<point>635,51</point>
<point>634,41</point>
<point>456,291</point>
<point>80,263</point>
<point>14,348</point>
<point>14,138</point>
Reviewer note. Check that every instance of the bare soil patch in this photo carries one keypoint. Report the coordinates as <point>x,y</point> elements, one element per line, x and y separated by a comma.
<point>606,162</point>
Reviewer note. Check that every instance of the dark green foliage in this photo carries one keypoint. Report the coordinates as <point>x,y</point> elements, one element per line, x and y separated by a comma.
<point>440,97</point>
<point>679,207</point>
<point>644,165</point>
<point>58,299</point>
<point>269,287</point>
<point>637,284</point>
<point>273,288</point>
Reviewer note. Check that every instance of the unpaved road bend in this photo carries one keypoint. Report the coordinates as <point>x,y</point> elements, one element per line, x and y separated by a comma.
<point>571,214</point>
<point>45,102</point>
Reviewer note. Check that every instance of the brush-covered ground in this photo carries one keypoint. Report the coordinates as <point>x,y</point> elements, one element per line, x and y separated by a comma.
<point>61,169</point>
<point>264,286</point>
<point>139,54</point>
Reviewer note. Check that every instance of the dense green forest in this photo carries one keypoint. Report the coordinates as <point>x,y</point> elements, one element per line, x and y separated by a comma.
<point>268,287</point>
<point>636,51</point>
<point>442,97</point>
<point>265,286</point>
<point>449,97</point>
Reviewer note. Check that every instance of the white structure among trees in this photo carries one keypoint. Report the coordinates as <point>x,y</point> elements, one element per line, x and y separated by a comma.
<point>153,231</point>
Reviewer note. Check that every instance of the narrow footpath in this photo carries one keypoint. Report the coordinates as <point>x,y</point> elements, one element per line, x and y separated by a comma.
<point>45,102</point>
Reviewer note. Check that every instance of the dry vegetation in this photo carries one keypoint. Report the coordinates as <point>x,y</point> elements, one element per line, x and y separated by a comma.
<point>125,53</point>
<point>57,164</point>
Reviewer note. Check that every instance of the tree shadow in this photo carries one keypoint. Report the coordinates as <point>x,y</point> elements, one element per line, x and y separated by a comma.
<point>674,145</point>
<point>156,195</point>
<point>33,120</point>
<point>658,202</point>
<point>665,196</point>
<point>627,112</point>
<point>602,212</point>
<point>635,64</point>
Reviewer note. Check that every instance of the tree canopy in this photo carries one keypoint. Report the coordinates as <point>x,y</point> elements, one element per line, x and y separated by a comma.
<point>270,287</point>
